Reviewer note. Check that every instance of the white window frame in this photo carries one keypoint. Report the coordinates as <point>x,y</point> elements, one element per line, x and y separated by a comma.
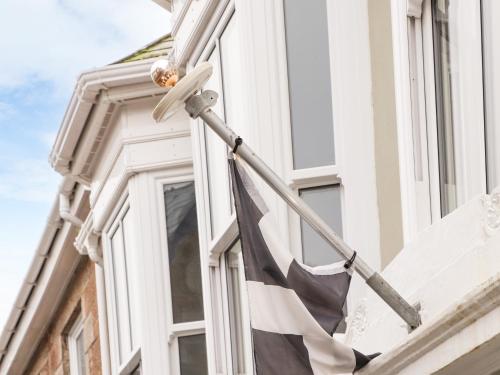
<point>247,349</point>
<point>76,329</point>
<point>130,360</point>
<point>214,246</point>
<point>354,179</point>
<point>176,330</point>
<point>491,110</point>
<point>416,115</point>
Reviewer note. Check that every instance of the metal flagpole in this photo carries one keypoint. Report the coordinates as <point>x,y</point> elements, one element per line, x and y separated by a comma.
<point>199,106</point>
<point>183,92</point>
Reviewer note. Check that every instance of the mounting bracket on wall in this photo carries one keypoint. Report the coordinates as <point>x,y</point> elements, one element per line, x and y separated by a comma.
<point>414,8</point>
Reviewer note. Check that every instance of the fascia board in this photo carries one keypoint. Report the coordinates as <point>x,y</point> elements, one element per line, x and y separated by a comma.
<point>46,260</point>
<point>165,4</point>
<point>43,303</point>
<point>33,272</point>
<point>88,88</point>
<point>102,116</point>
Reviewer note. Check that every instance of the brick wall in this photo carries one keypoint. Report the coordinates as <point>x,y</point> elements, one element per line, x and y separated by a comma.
<point>51,356</point>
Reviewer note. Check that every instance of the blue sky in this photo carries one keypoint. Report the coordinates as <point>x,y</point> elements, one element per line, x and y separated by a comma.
<point>44,45</point>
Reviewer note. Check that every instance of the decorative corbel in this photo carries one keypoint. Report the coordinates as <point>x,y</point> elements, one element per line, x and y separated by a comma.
<point>491,221</point>
<point>414,8</point>
<point>87,241</point>
<point>93,248</point>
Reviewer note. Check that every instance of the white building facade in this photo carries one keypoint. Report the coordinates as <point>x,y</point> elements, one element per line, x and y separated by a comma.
<point>380,114</point>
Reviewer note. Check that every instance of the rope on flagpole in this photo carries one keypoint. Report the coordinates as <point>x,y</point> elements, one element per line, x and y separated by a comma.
<point>237,143</point>
<point>349,263</point>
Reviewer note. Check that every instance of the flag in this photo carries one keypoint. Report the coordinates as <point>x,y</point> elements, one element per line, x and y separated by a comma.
<point>294,308</point>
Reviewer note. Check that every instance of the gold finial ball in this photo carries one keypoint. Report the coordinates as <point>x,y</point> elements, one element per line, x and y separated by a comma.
<point>164,74</point>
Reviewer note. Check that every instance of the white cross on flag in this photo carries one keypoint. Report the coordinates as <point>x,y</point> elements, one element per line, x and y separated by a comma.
<point>294,308</point>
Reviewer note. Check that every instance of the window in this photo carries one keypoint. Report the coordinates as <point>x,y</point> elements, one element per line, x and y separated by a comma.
<point>325,201</point>
<point>187,325</point>
<point>76,346</point>
<point>458,86</point>
<point>228,330</point>
<point>312,128</point>
<point>444,72</point>
<point>224,80</point>
<point>491,61</point>
<point>314,175</point>
<point>119,262</point>
<point>183,252</point>
<point>446,147</point>
<point>192,355</point>
<point>309,83</point>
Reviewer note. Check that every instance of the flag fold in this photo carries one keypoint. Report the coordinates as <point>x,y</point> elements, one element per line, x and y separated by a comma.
<point>294,309</point>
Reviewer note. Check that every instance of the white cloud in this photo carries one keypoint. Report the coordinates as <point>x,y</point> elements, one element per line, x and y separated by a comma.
<point>55,40</point>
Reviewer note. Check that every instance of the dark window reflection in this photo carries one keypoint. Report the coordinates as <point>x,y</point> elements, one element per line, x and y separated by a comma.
<point>183,252</point>
<point>193,355</point>
<point>444,72</point>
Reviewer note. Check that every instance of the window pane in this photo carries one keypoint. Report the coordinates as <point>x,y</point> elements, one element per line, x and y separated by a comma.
<point>183,252</point>
<point>235,305</point>
<point>444,72</point>
<point>325,200</point>
<point>128,232</point>
<point>216,156</point>
<point>309,83</point>
<point>121,292</point>
<point>193,355</point>
<point>82,367</point>
<point>491,61</point>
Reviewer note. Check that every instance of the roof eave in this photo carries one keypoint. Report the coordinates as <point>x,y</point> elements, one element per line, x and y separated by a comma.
<point>166,4</point>
<point>87,90</point>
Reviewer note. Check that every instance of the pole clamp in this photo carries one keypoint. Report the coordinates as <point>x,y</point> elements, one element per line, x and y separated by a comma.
<point>349,262</point>
<point>201,102</point>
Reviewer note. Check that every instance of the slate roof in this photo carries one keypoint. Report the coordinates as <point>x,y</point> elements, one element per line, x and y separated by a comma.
<point>159,47</point>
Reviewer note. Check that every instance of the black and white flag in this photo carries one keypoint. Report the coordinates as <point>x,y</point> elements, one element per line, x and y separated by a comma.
<point>294,308</point>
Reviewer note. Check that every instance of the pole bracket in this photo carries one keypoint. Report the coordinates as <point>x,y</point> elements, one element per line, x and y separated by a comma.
<point>201,102</point>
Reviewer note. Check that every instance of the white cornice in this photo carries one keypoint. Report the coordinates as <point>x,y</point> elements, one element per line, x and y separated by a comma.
<point>475,305</point>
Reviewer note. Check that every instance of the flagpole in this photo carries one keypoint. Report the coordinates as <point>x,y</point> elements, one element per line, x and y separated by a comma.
<point>183,93</point>
<point>199,106</point>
